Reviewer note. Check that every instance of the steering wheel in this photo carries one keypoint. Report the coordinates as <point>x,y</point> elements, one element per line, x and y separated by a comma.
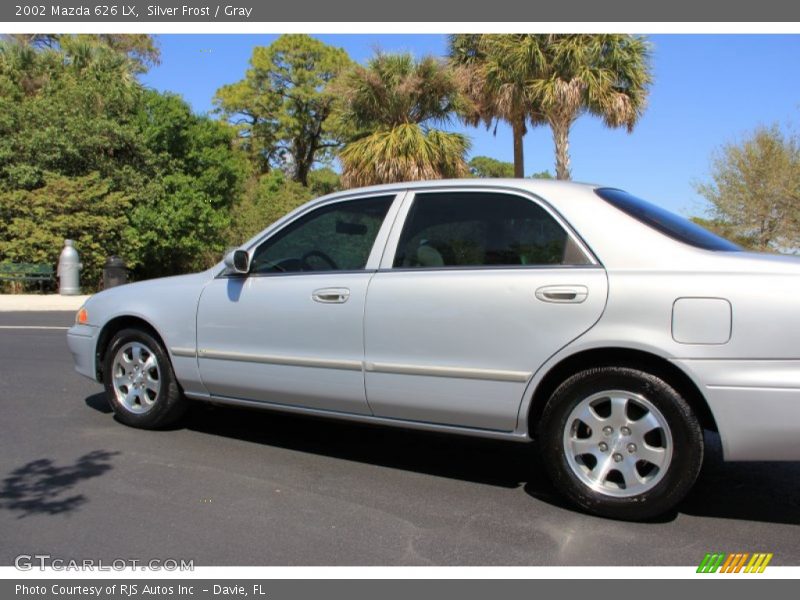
<point>321,255</point>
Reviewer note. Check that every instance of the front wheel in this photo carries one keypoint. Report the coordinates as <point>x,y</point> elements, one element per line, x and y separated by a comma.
<point>139,381</point>
<point>621,443</point>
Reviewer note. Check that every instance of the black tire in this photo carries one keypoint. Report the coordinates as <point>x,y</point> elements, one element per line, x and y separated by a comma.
<point>169,404</point>
<point>686,436</point>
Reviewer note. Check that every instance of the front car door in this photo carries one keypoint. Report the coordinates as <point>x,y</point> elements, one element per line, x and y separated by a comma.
<point>291,331</point>
<point>477,289</point>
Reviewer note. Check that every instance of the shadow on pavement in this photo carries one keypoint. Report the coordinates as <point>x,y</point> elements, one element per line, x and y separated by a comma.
<point>41,487</point>
<point>763,491</point>
<point>457,457</point>
<point>751,491</point>
<point>99,403</point>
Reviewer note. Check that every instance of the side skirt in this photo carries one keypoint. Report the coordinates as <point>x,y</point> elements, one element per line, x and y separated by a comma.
<point>514,436</point>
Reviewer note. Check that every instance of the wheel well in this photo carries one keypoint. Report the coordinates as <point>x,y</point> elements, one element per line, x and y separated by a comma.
<point>619,357</point>
<point>113,327</point>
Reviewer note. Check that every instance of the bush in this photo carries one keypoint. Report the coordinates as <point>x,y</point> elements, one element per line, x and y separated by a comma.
<point>35,223</point>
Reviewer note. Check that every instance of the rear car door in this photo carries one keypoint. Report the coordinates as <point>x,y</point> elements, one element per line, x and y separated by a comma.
<point>477,289</point>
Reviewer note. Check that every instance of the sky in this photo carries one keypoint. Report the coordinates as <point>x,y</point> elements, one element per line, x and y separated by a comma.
<point>708,90</point>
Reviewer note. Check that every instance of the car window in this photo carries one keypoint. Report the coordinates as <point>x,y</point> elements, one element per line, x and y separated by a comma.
<point>666,222</point>
<point>468,229</point>
<point>336,237</point>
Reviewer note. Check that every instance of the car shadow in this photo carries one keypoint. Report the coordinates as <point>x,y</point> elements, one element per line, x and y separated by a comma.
<point>766,492</point>
<point>753,491</point>
<point>42,487</point>
<point>99,403</point>
<point>498,463</point>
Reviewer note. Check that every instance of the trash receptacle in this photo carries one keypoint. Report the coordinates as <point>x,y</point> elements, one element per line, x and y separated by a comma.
<point>69,269</point>
<point>114,272</point>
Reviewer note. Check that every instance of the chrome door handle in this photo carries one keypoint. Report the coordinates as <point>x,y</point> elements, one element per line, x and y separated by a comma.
<point>562,294</point>
<point>331,295</point>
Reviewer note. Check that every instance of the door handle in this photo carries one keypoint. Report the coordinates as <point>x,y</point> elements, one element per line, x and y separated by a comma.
<point>331,295</point>
<point>562,294</point>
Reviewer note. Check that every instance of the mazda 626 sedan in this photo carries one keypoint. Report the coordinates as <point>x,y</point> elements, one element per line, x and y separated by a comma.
<point>607,329</point>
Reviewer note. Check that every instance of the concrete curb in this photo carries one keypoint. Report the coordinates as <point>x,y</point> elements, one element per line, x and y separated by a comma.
<point>40,302</point>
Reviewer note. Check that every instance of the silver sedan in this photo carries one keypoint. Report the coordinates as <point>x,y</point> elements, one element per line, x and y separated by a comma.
<point>607,329</point>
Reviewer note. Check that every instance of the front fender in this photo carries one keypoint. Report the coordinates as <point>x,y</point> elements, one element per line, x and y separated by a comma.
<point>168,305</point>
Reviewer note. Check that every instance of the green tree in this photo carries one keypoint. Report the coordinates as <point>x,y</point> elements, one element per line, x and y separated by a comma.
<point>485,166</point>
<point>754,190</point>
<point>494,71</point>
<point>76,110</point>
<point>186,187</point>
<point>604,75</point>
<point>284,105</point>
<point>324,181</point>
<point>35,223</point>
<point>266,199</point>
<point>554,79</point>
<point>139,47</point>
<point>393,101</point>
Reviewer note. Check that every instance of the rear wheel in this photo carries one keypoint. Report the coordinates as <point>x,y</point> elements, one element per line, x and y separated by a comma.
<point>139,381</point>
<point>621,443</point>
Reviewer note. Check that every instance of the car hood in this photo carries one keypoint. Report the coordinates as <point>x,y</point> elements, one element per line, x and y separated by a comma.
<point>142,297</point>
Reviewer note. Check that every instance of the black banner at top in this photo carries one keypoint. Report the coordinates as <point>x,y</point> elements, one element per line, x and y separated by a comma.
<point>108,11</point>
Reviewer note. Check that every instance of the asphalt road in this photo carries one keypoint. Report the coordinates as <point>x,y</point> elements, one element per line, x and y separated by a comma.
<point>236,487</point>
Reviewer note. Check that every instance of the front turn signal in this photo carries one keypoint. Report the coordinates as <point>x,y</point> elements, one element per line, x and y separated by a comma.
<point>82,318</point>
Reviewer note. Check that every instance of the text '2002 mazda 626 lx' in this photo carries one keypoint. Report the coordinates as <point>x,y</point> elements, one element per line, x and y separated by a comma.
<point>608,330</point>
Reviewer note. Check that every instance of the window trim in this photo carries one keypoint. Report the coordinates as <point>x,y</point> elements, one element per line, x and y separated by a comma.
<point>375,254</point>
<point>387,260</point>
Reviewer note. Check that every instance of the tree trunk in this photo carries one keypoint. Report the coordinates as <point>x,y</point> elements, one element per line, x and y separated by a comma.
<point>561,140</point>
<point>518,129</point>
<point>302,173</point>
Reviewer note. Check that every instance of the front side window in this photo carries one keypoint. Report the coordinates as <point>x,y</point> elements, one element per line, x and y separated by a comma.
<point>336,237</point>
<point>482,229</point>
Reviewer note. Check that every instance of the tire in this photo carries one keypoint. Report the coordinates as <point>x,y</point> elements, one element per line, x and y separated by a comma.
<point>140,383</point>
<point>643,443</point>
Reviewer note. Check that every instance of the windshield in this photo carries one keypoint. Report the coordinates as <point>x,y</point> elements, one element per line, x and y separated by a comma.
<point>666,222</point>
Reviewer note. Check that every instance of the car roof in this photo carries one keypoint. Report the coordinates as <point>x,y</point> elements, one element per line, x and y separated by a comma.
<point>532,185</point>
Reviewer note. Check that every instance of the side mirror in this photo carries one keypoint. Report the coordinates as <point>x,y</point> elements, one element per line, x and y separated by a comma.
<point>238,261</point>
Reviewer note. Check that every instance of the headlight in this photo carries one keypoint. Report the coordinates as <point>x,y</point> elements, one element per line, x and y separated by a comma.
<point>82,318</point>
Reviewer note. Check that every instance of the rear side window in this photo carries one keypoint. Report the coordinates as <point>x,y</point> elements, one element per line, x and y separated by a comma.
<point>482,229</point>
<point>666,222</point>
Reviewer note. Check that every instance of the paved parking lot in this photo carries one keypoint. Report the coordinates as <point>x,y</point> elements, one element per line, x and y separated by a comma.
<point>235,487</point>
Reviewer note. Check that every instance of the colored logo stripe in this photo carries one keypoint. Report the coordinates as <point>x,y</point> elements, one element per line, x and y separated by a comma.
<point>734,562</point>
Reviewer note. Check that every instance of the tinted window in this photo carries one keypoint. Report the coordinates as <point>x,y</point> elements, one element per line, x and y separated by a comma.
<point>337,237</point>
<point>464,229</point>
<point>666,222</point>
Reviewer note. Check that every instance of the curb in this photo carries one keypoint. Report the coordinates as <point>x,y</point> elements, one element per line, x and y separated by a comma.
<point>40,302</point>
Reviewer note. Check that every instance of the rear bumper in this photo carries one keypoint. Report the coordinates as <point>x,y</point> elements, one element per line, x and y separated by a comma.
<point>82,341</point>
<point>755,403</point>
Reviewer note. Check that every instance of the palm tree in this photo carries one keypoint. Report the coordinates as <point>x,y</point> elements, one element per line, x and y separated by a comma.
<point>392,102</point>
<point>606,75</point>
<point>553,79</point>
<point>494,71</point>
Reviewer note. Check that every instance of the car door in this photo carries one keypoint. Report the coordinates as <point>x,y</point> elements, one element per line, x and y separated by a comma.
<point>477,289</point>
<point>291,330</point>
